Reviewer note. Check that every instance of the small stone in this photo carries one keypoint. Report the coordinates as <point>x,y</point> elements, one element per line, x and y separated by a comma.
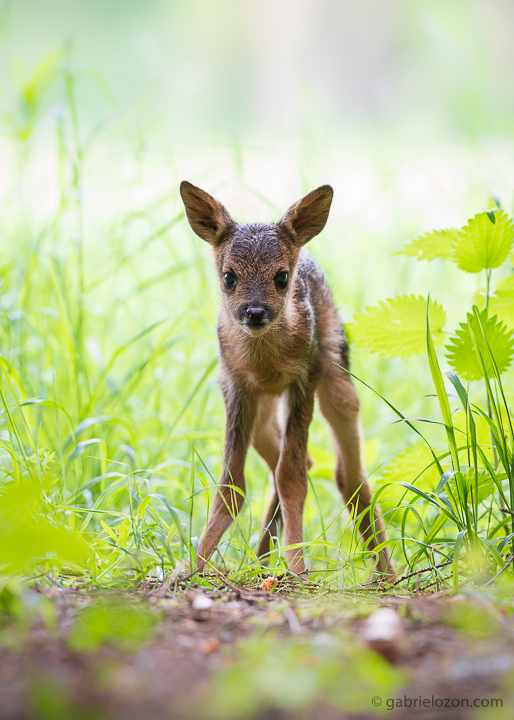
<point>382,632</point>
<point>201,602</point>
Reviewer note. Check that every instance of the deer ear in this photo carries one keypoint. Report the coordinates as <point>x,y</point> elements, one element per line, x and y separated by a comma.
<point>307,218</point>
<point>207,217</point>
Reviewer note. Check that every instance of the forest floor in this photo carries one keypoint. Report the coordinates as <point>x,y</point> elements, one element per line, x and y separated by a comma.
<point>246,652</point>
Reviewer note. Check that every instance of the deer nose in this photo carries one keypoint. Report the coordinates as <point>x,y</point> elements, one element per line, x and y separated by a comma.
<point>256,314</point>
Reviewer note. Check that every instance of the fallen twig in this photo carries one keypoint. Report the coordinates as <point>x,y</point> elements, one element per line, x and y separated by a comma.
<point>423,570</point>
<point>436,582</point>
<point>240,591</point>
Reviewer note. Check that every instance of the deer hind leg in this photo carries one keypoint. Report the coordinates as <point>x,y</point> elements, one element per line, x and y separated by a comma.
<point>340,406</point>
<point>266,440</point>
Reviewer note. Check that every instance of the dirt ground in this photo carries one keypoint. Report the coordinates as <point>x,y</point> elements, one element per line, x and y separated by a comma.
<point>42,677</point>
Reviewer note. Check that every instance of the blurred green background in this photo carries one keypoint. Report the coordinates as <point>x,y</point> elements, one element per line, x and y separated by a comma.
<point>404,107</point>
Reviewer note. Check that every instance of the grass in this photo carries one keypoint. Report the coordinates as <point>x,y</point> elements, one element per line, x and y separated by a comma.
<point>111,427</point>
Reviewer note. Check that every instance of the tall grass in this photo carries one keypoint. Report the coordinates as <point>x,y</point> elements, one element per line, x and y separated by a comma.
<point>111,421</point>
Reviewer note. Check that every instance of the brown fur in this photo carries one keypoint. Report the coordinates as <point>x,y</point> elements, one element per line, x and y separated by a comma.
<point>280,345</point>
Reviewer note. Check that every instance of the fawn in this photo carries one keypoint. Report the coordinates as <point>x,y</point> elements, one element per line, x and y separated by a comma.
<point>281,342</point>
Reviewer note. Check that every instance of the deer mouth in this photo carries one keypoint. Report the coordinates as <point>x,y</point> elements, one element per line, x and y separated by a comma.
<point>256,328</point>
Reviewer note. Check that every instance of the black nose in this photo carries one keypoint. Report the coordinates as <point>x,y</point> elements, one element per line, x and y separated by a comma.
<point>256,314</point>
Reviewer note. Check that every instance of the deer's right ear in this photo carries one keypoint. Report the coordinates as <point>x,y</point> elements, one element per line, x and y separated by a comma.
<point>207,217</point>
<point>307,218</point>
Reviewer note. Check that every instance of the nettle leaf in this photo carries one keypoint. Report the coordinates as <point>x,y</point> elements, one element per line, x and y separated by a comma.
<point>502,302</point>
<point>414,465</point>
<point>484,242</point>
<point>436,244</point>
<point>462,355</point>
<point>398,327</point>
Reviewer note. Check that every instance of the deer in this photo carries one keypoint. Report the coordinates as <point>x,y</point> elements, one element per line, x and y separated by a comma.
<point>281,346</point>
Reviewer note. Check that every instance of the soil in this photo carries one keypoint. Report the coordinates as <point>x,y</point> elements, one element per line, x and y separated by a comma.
<point>164,677</point>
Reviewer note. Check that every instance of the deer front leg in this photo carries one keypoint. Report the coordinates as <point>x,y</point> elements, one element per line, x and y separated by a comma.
<point>291,474</point>
<point>229,499</point>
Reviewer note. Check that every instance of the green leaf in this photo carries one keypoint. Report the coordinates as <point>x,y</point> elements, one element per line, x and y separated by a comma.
<point>442,396</point>
<point>436,244</point>
<point>397,327</point>
<point>414,464</point>
<point>502,302</point>
<point>484,242</point>
<point>448,510</point>
<point>463,357</point>
<point>445,479</point>
<point>30,535</point>
<point>485,484</point>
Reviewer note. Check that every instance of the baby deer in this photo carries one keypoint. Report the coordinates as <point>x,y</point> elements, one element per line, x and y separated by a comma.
<point>281,342</point>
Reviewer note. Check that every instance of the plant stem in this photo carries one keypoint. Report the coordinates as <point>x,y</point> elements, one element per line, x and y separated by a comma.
<point>489,408</point>
<point>487,287</point>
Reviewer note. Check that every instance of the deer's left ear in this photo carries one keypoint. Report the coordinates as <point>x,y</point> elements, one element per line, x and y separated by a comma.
<point>307,218</point>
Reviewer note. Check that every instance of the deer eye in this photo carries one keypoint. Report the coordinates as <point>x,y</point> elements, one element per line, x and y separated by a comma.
<point>230,279</point>
<point>282,279</point>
